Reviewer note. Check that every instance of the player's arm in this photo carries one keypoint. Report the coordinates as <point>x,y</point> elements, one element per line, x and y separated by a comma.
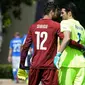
<point>10,52</point>
<point>72,43</point>
<point>25,49</point>
<point>58,44</point>
<point>65,41</point>
<point>10,55</point>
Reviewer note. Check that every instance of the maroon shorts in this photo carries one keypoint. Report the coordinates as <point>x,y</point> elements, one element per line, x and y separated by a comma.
<point>46,76</point>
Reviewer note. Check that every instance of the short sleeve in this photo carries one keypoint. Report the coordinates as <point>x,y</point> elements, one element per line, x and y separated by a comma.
<point>10,45</point>
<point>65,26</point>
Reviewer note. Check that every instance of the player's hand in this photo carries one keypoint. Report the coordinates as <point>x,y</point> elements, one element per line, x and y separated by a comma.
<point>22,66</point>
<point>57,59</point>
<point>9,59</point>
<point>22,74</point>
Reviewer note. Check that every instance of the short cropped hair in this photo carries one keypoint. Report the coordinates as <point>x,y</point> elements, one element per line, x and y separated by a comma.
<point>70,6</point>
<point>48,7</point>
<point>16,34</point>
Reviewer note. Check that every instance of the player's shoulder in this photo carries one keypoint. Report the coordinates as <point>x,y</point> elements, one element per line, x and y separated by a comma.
<point>55,23</point>
<point>12,39</point>
<point>77,22</point>
<point>64,21</point>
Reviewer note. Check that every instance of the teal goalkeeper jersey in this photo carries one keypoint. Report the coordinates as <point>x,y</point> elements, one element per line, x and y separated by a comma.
<point>73,57</point>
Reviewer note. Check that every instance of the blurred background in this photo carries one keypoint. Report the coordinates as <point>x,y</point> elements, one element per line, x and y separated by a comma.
<point>18,15</point>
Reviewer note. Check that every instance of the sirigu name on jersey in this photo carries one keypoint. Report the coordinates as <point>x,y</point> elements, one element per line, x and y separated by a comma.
<point>42,26</point>
<point>77,27</point>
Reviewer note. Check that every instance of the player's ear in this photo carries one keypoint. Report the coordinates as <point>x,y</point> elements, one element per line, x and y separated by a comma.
<point>69,13</point>
<point>51,12</point>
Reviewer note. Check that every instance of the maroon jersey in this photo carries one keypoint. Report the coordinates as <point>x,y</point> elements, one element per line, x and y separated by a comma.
<point>44,35</point>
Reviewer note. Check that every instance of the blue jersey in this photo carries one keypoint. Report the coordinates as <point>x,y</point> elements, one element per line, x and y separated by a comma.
<point>15,45</point>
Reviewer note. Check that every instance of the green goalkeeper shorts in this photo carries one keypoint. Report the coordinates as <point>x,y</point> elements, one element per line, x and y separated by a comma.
<point>71,76</point>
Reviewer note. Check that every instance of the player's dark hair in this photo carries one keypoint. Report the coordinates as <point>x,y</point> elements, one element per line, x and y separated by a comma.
<point>48,7</point>
<point>70,6</point>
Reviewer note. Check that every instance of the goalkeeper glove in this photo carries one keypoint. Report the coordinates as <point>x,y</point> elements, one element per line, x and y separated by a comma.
<point>56,59</point>
<point>22,74</point>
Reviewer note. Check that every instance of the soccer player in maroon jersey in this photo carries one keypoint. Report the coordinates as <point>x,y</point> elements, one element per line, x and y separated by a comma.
<point>43,34</point>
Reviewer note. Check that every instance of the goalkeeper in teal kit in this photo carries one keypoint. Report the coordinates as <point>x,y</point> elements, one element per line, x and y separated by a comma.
<point>70,61</point>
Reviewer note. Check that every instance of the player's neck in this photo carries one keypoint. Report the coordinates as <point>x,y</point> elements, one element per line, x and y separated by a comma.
<point>17,36</point>
<point>70,17</point>
<point>47,17</point>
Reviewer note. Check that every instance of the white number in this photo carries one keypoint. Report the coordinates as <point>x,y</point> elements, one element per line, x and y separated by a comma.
<point>16,47</point>
<point>43,35</point>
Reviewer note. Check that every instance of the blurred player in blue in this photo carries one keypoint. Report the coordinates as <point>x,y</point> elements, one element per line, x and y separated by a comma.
<point>14,54</point>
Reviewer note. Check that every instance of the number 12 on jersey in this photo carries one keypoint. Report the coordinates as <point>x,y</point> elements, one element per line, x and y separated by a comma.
<point>40,45</point>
